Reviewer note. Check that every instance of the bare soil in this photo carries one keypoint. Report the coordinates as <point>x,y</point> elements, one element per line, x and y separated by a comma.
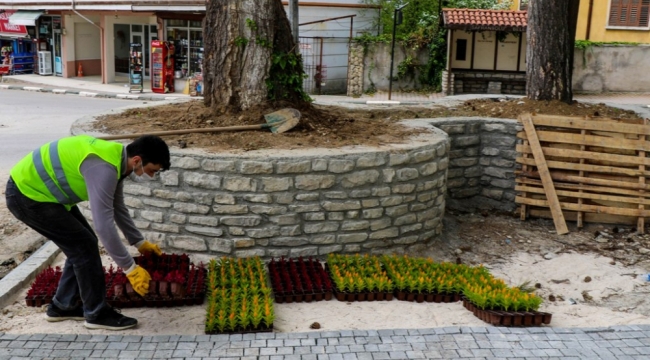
<point>325,126</point>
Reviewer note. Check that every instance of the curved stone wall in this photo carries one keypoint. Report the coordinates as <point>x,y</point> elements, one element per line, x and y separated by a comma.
<point>298,202</point>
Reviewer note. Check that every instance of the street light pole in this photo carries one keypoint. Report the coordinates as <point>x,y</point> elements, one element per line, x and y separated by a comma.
<point>396,14</point>
<point>293,17</point>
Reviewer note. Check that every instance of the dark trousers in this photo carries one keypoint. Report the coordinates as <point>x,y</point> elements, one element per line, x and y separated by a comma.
<point>83,275</point>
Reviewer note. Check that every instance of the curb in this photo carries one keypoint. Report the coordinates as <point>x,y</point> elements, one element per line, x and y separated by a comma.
<point>27,271</point>
<point>98,94</point>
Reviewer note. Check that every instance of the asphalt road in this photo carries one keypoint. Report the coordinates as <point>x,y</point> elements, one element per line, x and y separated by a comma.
<point>30,119</point>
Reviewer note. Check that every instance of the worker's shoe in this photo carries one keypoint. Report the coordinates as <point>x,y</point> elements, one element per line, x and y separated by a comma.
<point>54,314</point>
<point>111,319</point>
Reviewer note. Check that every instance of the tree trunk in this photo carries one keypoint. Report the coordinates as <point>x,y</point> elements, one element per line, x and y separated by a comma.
<point>240,39</point>
<point>551,45</point>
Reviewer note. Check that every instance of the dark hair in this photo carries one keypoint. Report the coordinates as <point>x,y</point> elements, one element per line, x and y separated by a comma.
<point>151,149</point>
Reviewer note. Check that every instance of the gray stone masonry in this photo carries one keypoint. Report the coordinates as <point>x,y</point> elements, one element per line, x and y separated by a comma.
<point>481,163</point>
<point>477,82</point>
<point>298,202</point>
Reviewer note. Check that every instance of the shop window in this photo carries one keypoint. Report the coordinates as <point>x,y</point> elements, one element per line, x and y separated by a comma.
<point>629,13</point>
<point>187,37</point>
<point>461,49</point>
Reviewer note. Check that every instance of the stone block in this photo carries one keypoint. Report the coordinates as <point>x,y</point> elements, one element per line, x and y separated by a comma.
<point>410,228</point>
<point>268,210</point>
<point>428,169</point>
<point>341,205</point>
<point>406,220</point>
<point>184,162</point>
<point>177,218</point>
<point>315,216</point>
<point>381,191</point>
<point>396,211</point>
<point>173,195</point>
<point>422,156</point>
<point>308,197</point>
<point>495,194</point>
<point>359,178</point>
<point>288,241</point>
<point>340,166</point>
<point>324,250</point>
<point>406,240</point>
<point>407,174</point>
<point>239,184</point>
<point>370,203</point>
<point>243,243</point>
<point>494,128</point>
<point>242,221</point>
<point>380,224</point>
<point>359,194</point>
<point>490,151</point>
<point>315,228</point>
<point>293,167</point>
<point>276,253</point>
<point>372,213</point>
<point>286,198</point>
<point>305,252</point>
<point>263,233</point>
<point>352,214</point>
<point>503,184</point>
<point>355,225</point>
<point>464,162</point>
<point>389,175</point>
<point>223,246</point>
<point>392,200</point>
<point>224,199</point>
<point>155,216</point>
<point>352,248</point>
<point>218,166</point>
<point>319,165</point>
<point>157,203</point>
<point>465,141</point>
<point>335,195</point>
<point>142,224</point>
<point>503,163</point>
<point>336,216</point>
<point>305,208</point>
<point>323,239</point>
<point>230,209</point>
<point>203,198</point>
<point>203,181</point>
<point>133,202</point>
<point>385,234</point>
<point>371,160</point>
<point>169,178</point>
<point>501,173</point>
<point>290,219</point>
<point>454,129</point>
<point>398,159</point>
<point>236,231</point>
<point>314,182</point>
<point>136,190</point>
<point>476,171</point>
<point>206,231</point>
<point>204,220</point>
<point>403,188</point>
<point>256,167</point>
<point>166,228</point>
<point>276,184</point>
<point>188,243</point>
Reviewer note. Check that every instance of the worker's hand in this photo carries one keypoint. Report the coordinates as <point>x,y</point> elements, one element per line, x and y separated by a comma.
<point>145,247</point>
<point>139,279</point>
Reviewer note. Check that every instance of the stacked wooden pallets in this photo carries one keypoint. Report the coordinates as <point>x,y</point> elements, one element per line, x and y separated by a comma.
<point>584,169</point>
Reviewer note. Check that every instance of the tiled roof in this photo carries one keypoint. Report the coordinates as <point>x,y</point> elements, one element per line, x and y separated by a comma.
<point>476,19</point>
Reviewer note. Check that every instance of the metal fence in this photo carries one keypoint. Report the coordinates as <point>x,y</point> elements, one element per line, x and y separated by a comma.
<point>325,61</point>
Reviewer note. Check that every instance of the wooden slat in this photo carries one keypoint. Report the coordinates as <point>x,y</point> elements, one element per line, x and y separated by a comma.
<point>588,155</point>
<point>590,124</point>
<point>523,211</point>
<point>581,215</point>
<point>589,140</point>
<point>583,187</point>
<point>588,217</point>
<point>584,195</point>
<point>640,227</point>
<point>587,167</point>
<point>542,168</point>
<point>592,180</point>
<point>586,208</point>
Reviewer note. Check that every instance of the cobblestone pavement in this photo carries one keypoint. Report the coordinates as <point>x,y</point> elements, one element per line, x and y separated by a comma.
<point>620,342</point>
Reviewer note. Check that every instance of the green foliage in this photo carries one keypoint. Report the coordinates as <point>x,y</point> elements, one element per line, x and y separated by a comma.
<point>264,42</point>
<point>421,28</point>
<point>285,74</point>
<point>586,44</point>
<point>251,24</point>
<point>240,41</point>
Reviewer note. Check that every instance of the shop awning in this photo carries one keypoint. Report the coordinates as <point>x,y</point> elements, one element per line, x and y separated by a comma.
<point>8,30</point>
<point>24,17</point>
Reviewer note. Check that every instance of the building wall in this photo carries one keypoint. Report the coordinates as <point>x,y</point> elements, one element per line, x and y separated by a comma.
<point>109,36</point>
<point>81,45</point>
<point>612,68</point>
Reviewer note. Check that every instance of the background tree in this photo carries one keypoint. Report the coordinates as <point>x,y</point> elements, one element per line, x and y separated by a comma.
<point>551,44</point>
<point>249,56</point>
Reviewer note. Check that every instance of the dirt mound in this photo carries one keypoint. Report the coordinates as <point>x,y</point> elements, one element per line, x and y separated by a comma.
<point>324,126</point>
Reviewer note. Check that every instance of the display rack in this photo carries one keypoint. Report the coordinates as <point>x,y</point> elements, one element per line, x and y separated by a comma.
<point>135,68</point>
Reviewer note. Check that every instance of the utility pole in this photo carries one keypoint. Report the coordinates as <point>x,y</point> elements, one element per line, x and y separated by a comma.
<point>397,20</point>
<point>293,18</point>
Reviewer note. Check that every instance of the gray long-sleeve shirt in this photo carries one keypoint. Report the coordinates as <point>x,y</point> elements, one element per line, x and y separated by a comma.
<point>106,196</point>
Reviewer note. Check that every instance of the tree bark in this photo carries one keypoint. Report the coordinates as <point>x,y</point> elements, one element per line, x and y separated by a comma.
<point>551,45</point>
<point>240,37</point>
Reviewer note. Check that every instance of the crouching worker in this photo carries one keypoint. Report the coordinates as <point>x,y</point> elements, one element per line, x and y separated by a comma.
<point>43,191</point>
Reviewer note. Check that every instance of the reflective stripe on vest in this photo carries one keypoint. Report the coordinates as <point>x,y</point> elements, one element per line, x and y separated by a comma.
<point>63,195</point>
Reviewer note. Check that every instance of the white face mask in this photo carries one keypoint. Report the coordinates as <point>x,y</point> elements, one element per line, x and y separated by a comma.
<point>140,178</point>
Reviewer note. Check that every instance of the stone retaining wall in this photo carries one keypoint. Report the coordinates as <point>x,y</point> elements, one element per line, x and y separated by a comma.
<point>297,202</point>
<point>481,163</point>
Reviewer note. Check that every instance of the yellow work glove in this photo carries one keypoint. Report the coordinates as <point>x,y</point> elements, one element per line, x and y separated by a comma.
<point>145,247</point>
<point>139,279</point>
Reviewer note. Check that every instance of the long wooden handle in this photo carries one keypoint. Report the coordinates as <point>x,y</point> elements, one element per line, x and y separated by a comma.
<point>186,131</point>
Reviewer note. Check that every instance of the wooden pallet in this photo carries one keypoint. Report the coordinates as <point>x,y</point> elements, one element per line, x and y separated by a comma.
<point>596,169</point>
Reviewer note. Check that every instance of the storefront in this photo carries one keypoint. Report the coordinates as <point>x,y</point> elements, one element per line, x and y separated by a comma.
<point>186,33</point>
<point>49,40</point>
<point>16,45</point>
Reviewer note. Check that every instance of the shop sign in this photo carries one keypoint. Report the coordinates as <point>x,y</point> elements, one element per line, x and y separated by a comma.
<point>7,28</point>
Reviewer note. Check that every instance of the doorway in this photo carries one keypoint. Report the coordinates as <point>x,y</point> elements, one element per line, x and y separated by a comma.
<point>124,35</point>
<point>58,62</point>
